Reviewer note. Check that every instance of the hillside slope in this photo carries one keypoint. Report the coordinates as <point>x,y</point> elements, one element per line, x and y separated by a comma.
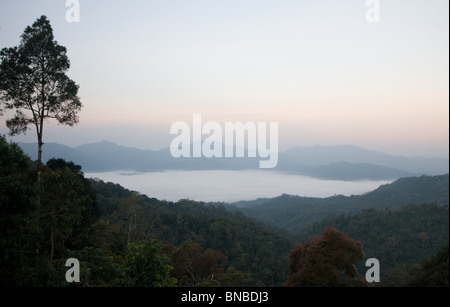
<point>294,213</point>
<point>399,238</point>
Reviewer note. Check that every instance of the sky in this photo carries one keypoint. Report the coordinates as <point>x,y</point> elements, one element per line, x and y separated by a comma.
<point>319,68</point>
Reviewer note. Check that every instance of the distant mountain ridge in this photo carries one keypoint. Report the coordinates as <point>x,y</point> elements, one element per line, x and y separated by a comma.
<point>323,155</point>
<point>294,213</point>
<point>345,162</point>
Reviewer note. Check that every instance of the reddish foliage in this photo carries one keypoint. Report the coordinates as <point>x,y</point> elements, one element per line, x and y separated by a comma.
<point>327,261</point>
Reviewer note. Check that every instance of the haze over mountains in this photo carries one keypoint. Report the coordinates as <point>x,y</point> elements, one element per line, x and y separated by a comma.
<point>344,162</point>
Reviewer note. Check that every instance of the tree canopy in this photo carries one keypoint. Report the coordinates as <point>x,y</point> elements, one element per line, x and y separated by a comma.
<point>328,261</point>
<point>33,82</point>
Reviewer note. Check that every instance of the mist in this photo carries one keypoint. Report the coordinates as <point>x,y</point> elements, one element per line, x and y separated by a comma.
<point>232,186</point>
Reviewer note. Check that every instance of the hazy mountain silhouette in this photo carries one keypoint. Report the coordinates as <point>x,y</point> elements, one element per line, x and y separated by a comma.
<point>328,162</point>
<point>323,155</point>
<point>357,171</point>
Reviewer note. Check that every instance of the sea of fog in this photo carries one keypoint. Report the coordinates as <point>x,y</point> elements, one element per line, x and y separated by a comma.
<point>231,186</point>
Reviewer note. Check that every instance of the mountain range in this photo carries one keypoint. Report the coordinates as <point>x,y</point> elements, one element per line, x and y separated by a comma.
<point>294,213</point>
<point>345,162</point>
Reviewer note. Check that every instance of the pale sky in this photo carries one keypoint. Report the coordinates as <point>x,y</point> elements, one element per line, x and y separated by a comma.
<point>318,67</point>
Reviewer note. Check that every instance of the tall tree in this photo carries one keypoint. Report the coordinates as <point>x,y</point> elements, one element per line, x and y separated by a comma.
<point>33,82</point>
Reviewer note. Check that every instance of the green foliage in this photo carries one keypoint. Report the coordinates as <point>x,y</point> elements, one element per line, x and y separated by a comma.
<point>42,224</point>
<point>145,266</point>
<point>433,272</point>
<point>14,181</point>
<point>60,164</point>
<point>98,268</point>
<point>233,278</point>
<point>259,252</point>
<point>15,190</point>
<point>66,207</point>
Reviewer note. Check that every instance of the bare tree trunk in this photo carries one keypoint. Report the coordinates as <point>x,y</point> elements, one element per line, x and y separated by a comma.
<point>50,259</point>
<point>39,161</point>
<point>40,143</point>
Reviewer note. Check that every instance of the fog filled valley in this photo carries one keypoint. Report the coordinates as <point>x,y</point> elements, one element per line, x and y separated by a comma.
<point>242,243</point>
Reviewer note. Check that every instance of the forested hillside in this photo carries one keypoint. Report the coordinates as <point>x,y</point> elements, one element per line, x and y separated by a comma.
<point>258,252</point>
<point>295,213</point>
<point>399,238</point>
<point>123,238</point>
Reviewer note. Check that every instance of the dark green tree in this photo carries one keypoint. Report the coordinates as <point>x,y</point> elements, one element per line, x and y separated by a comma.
<point>88,196</point>
<point>65,208</point>
<point>146,266</point>
<point>16,238</point>
<point>433,272</point>
<point>33,82</point>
